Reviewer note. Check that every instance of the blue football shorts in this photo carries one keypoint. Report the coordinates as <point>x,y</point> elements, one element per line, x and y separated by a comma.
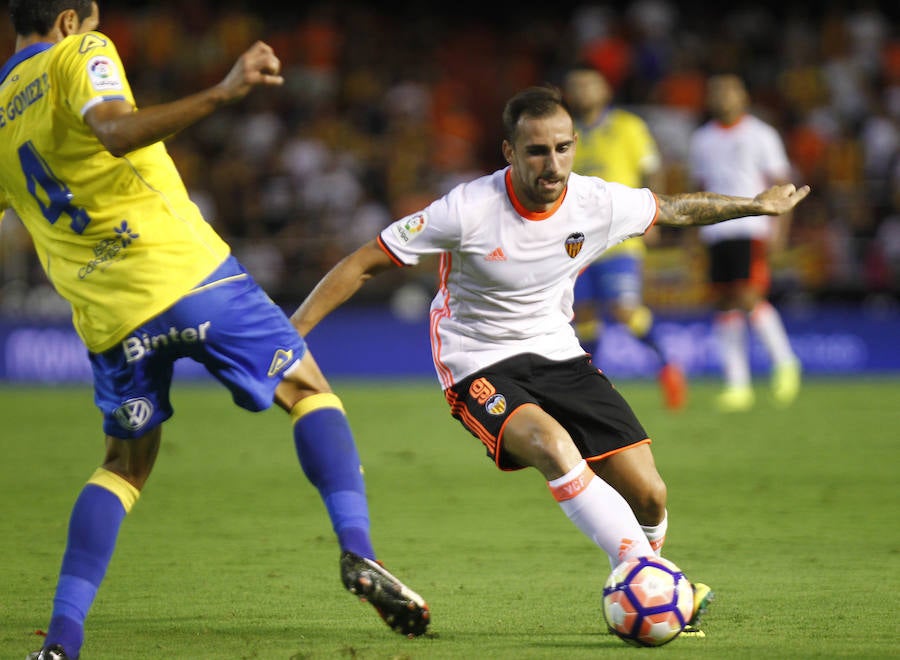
<point>617,278</point>
<point>226,323</point>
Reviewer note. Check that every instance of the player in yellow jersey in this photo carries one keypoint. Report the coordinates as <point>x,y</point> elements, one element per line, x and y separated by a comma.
<point>616,145</point>
<point>150,282</point>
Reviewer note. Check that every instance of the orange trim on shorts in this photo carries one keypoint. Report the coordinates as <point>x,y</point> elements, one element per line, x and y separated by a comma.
<point>760,275</point>
<point>500,437</point>
<point>491,442</point>
<point>759,278</point>
<point>458,408</point>
<point>600,457</point>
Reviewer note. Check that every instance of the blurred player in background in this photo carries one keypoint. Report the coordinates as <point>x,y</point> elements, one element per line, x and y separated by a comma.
<point>736,153</point>
<point>616,145</point>
<point>511,245</point>
<point>150,282</point>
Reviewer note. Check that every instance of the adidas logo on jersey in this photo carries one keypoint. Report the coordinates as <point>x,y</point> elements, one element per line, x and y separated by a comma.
<point>496,255</point>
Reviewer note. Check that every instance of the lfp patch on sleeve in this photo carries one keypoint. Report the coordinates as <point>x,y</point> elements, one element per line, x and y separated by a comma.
<point>104,74</point>
<point>406,229</point>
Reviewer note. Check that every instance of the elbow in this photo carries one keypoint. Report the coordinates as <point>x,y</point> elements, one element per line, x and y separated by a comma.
<point>117,152</point>
<point>116,147</point>
<point>115,138</point>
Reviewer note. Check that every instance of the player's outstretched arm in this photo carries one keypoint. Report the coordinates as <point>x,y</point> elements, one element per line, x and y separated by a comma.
<point>706,208</point>
<point>339,285</point>
<point>121,129</point>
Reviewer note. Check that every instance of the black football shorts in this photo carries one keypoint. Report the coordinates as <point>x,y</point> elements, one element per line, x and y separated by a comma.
<point>574,392</point>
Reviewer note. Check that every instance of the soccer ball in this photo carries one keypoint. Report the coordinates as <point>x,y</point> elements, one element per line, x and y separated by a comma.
<point>647,601</point>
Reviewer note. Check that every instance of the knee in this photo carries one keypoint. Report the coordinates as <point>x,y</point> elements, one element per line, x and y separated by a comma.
<point>650,504</point>
<point>134,473</point>
<point>552,454</point>
<point>133,460</point>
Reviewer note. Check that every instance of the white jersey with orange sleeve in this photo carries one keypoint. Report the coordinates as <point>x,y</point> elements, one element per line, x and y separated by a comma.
<point>740,159</point>
<point>506,274</point>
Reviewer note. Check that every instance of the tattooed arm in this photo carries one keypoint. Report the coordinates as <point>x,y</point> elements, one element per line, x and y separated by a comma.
<point>706,208</point>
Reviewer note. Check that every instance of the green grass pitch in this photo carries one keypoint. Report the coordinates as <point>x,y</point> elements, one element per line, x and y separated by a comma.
<point>790,515</point>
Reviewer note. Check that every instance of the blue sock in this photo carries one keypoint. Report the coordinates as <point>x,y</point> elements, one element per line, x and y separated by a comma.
<point>328,455</point>
<point>93,529</point>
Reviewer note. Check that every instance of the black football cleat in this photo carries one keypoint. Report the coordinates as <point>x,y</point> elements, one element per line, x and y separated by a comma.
<point>402,609</point>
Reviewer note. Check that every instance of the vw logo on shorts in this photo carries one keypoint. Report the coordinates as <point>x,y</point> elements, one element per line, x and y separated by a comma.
<point>134,413</point>
<point>496,405</point>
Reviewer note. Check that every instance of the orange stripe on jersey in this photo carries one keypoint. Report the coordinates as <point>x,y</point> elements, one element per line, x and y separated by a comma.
<point>573,487</point>
<point>656,214</point>
<point>388,252</point>
<point>444,373</point>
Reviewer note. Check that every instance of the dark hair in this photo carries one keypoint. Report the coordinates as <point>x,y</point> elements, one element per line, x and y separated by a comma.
<point>537,101</point>
<point>38,16</point>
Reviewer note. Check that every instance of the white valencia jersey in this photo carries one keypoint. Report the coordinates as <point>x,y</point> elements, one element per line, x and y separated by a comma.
<point>741,159</point>
<point>506,274</point>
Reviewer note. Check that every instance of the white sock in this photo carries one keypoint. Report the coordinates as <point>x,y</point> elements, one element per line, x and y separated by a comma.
<point>766,323</point>
<point>731,332</point>
<point>601,513</point>
<point>656,534</point>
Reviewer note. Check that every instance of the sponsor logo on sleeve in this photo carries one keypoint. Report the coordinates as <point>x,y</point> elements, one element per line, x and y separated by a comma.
<point>406,229</point>
<point>104,74</point>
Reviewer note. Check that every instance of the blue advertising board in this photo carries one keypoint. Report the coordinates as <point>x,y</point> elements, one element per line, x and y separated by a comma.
<point>370,342</point>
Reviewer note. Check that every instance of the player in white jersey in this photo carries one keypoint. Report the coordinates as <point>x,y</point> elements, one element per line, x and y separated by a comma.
<point>736,153</point>
<point>529,264</point>
<point>511,245</point>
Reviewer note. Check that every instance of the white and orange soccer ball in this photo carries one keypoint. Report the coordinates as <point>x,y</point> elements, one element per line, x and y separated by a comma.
<point>647,601</point>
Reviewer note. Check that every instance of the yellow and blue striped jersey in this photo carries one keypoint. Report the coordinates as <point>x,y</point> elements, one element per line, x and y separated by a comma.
<point>619,148</point>
<point>119,238</point>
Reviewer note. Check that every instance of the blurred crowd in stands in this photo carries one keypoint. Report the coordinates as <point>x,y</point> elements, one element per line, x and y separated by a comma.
<point>386,109</point>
